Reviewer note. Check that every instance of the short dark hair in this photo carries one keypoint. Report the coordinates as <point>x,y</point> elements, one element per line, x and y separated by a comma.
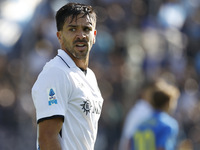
<point>160,99</point>
<point>73,10</point>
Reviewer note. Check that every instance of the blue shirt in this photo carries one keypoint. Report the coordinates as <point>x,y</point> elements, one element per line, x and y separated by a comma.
<point>159,131</point>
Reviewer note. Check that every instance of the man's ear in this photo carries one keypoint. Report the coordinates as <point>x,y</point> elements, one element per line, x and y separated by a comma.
<point>95,34</point>
<point>59,36</point>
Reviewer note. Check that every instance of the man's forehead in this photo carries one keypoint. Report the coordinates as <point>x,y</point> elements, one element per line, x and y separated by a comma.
<point>80,18</point>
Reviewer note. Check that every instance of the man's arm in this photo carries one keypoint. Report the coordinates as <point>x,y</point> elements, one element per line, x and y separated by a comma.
<point>48,134</point>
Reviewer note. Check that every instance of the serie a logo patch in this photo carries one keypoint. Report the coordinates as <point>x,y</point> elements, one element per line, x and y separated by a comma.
<point>52,97</point>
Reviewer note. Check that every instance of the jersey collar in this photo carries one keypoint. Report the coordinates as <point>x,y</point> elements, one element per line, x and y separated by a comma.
<point>66,58</point>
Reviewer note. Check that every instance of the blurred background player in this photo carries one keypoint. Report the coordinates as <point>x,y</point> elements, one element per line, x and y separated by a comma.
<point>160,131</point>
<point>141,111</point>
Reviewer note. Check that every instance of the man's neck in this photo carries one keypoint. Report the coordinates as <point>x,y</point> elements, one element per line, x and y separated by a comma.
<point>83,64</point>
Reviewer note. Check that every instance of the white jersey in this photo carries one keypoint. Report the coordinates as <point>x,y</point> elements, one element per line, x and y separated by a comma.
<point>62,89</point>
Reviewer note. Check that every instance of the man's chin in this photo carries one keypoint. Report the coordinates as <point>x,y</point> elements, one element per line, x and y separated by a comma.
<point>81,55</point>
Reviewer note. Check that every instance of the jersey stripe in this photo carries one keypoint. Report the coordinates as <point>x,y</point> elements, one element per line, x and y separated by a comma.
<point>63,60</point>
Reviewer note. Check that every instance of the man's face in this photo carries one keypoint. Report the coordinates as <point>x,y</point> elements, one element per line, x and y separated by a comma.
<point>78,36</point>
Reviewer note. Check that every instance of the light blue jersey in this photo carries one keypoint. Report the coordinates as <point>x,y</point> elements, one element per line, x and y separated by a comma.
<point>159,131</point>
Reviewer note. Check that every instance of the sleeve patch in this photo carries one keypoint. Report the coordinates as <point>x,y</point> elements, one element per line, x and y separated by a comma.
<point>52,96</point>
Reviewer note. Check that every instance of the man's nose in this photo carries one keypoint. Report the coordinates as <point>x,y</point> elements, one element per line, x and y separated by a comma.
<point>81,35</point>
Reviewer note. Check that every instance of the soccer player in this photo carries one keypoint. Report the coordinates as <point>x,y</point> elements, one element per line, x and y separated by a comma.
<point>66,95</point>
<point>141,111</point>
<point>160,131</point>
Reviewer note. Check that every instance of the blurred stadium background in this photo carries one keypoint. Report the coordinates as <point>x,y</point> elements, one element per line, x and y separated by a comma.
<point>138,41</point>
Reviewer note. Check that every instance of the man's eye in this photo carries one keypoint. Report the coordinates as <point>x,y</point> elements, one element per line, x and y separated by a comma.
<point>72,29</point>
<point>87,29</point>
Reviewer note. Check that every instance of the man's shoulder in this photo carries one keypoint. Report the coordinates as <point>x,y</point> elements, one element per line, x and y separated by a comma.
<point>91,74</point>
<point>90,71</point>
<point>168,122</point>
<point>52,69</point>
<point>55,62</point>
<point>54,66</point>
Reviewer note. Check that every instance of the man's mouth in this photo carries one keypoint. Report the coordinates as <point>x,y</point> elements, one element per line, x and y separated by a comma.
<point>80,45</point>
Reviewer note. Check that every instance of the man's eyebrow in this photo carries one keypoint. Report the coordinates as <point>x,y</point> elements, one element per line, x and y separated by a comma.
<point>71,26</point>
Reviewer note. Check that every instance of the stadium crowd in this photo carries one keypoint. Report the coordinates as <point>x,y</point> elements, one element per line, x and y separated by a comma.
<point>137,41</point>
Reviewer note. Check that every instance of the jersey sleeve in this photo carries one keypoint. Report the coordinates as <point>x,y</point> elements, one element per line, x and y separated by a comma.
<point>50,93</point>
<point>168,138</point>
